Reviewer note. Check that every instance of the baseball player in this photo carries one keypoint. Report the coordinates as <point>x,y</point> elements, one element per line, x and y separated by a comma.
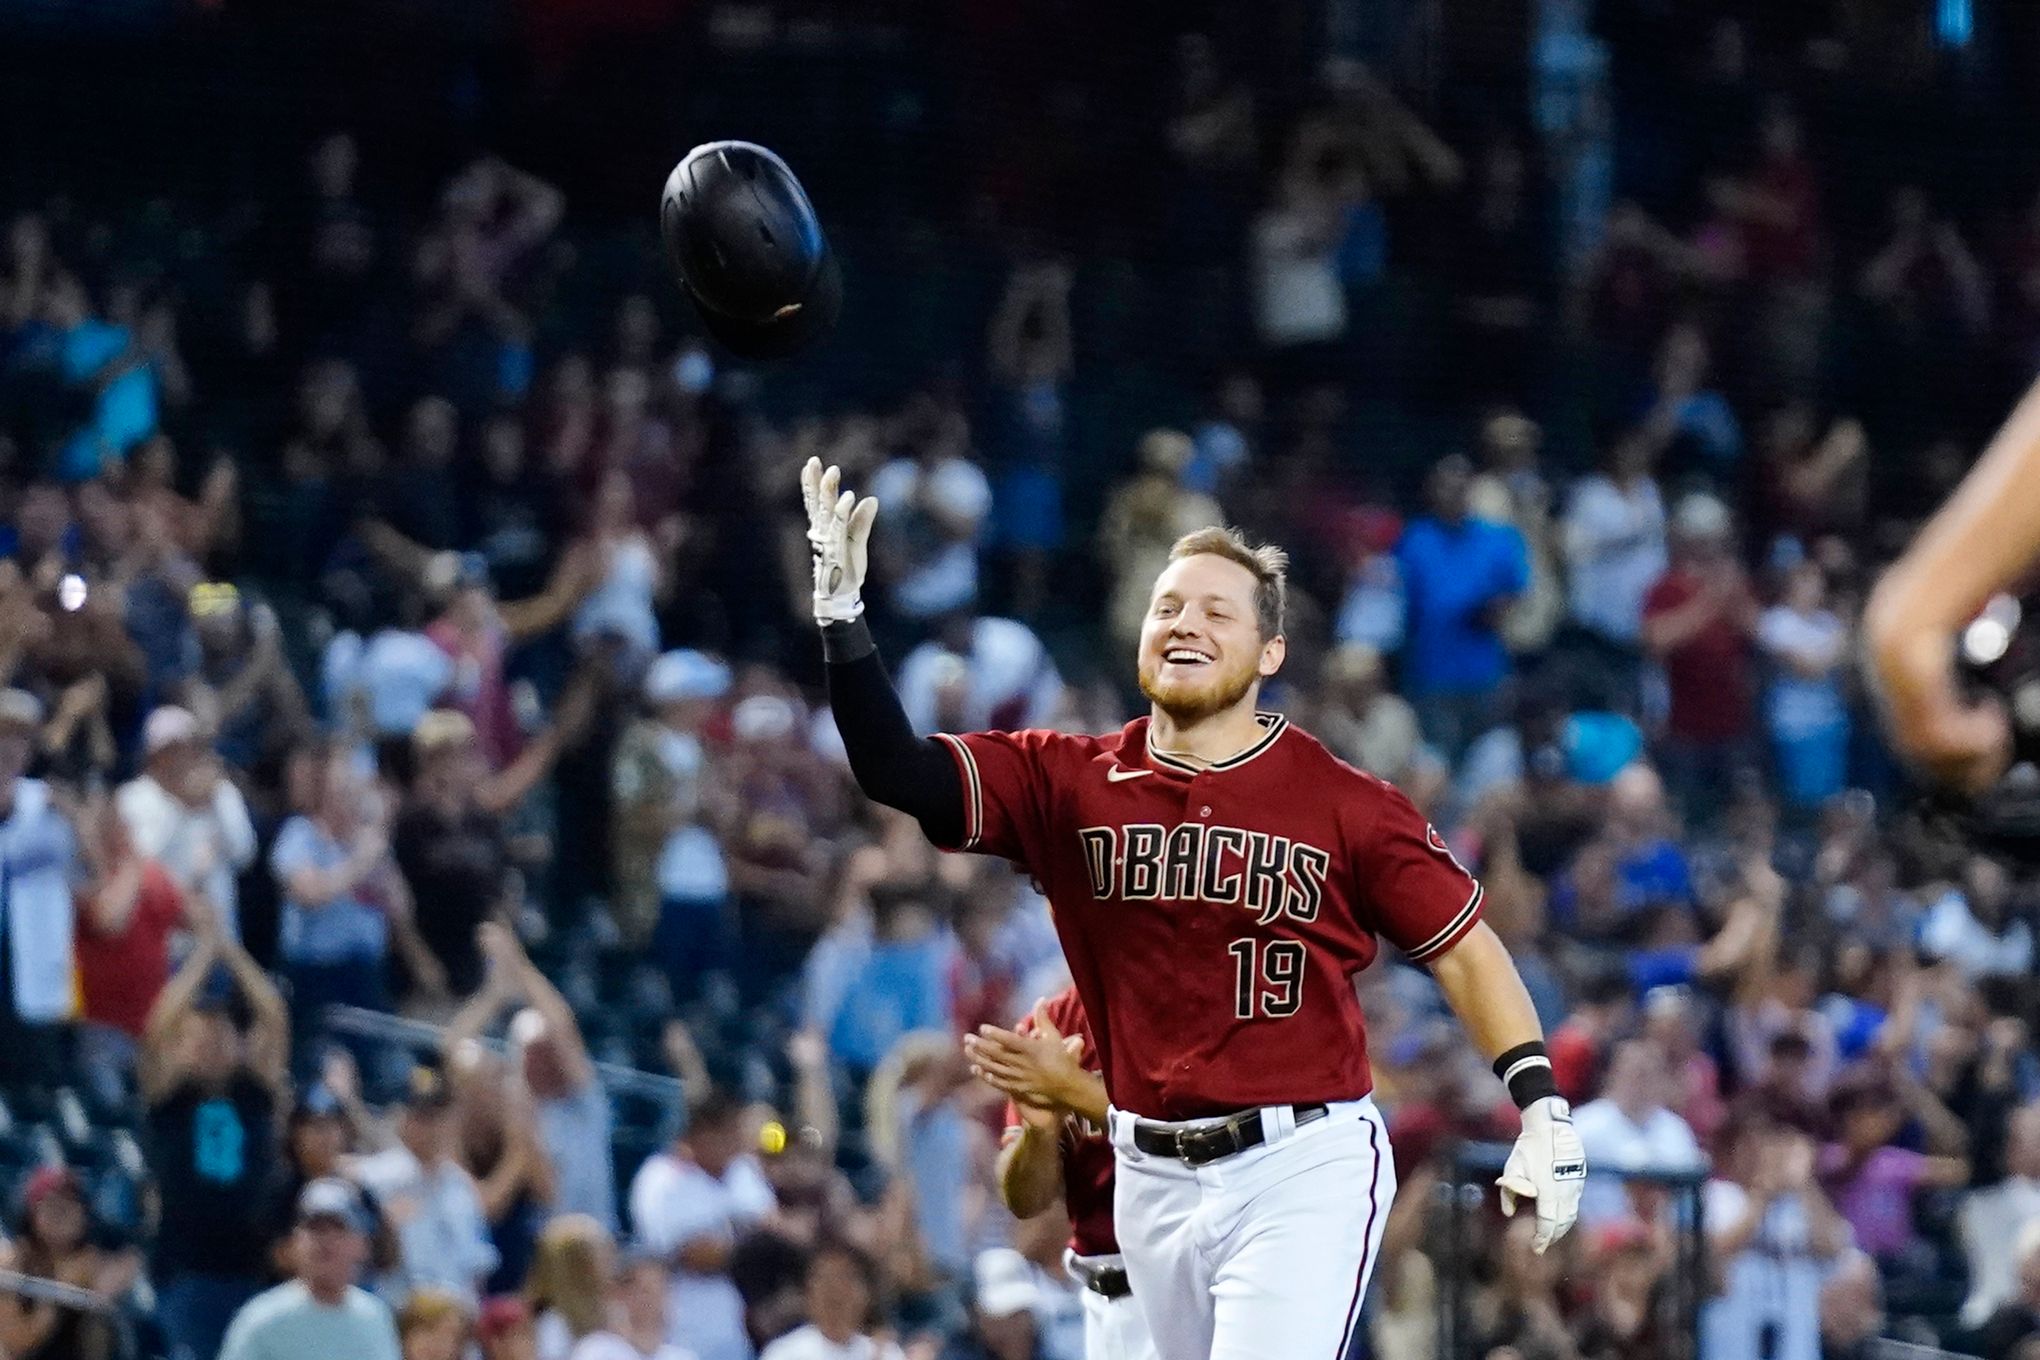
<point>1217,878</point>
<point>1055,1144</point>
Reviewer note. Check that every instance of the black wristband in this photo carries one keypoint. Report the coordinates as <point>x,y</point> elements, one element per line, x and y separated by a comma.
<point>1526,1071</point>
<point>846,642</point>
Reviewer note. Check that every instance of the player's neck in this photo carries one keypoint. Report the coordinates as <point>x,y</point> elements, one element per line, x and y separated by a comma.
<point>1206,740</point>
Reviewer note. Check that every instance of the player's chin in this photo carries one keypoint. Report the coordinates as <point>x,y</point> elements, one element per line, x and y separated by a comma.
<point>1188,696</point>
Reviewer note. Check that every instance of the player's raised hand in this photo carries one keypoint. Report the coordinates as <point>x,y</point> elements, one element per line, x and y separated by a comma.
<point>839,533</point>
<point>1548,1166</point>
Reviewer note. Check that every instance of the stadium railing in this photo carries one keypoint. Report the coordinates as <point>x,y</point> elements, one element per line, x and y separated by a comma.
<point>1466,1194</point>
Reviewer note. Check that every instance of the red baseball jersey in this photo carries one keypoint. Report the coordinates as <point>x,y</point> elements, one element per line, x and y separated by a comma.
<point>1214,918</point>
<point>1086,1152</point>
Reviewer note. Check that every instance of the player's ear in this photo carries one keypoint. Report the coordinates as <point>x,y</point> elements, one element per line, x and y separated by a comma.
<point>1273,652</point>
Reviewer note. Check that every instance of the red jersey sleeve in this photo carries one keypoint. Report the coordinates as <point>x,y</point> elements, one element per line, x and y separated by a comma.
<point>1421,898</point>
<point>1005,784</point>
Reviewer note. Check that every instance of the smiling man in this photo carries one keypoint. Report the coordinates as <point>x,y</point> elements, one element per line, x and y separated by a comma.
<point>1218,877</point>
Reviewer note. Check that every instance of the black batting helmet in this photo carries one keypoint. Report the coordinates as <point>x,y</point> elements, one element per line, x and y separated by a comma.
<point>749,250</point>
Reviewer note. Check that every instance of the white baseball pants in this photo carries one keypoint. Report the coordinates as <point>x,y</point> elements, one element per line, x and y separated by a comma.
<point>1113,1328</point>
<point>1264,1255</point>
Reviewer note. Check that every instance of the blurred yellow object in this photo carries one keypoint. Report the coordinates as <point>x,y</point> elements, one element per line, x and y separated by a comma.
<point>772,1138</point>
<point>214,597</point>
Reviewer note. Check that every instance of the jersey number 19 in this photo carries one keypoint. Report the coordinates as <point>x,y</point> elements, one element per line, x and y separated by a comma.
<point>1267,978</point>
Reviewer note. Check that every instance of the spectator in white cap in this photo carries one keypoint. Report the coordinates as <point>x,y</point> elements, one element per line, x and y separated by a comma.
<point>322,1311</point>
<point>40,851</point>
<point>672,887</point>
<point>1003,1299</point>
<point>184,813</point>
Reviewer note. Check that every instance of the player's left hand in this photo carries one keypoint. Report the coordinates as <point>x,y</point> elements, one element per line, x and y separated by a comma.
<point>1548,1166</point>
<point>1036,1069</point>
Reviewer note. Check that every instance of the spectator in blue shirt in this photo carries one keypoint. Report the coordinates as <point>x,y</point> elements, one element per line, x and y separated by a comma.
<point>334,873</point>
<point>1460,575</point>
<point>896,983</point>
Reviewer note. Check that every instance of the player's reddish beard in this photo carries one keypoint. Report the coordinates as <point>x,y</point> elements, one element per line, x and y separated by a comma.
<point>1192,698</point>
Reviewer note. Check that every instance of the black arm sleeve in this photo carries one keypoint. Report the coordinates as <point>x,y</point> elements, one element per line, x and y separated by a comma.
<point>892,765</point>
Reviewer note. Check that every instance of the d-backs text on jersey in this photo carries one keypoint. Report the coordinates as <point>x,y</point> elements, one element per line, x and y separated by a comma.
<point>1270,876</point>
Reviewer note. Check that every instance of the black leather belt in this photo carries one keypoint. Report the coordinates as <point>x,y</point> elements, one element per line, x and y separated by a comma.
<point>1208,1143</point>
<point>1111,1282</point>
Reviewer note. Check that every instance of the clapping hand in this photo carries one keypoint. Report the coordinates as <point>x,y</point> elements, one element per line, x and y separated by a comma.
<point>1036,1070</point>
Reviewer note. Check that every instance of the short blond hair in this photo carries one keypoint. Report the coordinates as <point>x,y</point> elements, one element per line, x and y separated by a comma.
<point>1268,563</point>
<point>427,1308</point>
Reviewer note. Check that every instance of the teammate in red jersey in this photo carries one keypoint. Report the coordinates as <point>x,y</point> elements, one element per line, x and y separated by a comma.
<point>1217,879</point>
<point>1056,1146</point>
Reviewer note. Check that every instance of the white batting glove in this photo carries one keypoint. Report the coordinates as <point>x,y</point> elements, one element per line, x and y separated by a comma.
<point>1548,1166</point>
<point>839,532</point>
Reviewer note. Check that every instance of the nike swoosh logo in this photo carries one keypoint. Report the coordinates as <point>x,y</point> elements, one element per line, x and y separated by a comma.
<point>1119,774</point>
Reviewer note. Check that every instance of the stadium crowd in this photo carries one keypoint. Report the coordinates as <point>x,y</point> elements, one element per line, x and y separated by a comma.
<point>383,631</point>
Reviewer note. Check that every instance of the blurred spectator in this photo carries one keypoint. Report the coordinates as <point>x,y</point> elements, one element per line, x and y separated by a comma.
<point>503,1329</point>
<point>108,374</point>
<point>1773,1235</point>
<point>1699,620</point>
<point>123,950</point>
<point>185,814</point>
<point>36,935</point>
<point>1580,1046</point>
<point>1142,519</point>
<point>627,574</point>
<point>1461,576</point>
<point>1973,926</point>
<point>432,1325</point>
<point>1994,1215</point>
<point>477,632</point>
<point>442,1233</point>
<point>1223,445</point>
<point>688,1205</point>
<point>1614,536</point>
<point>673,884</point>
<point>2017,1320</point>
<point>1805,709</point>
<point>1003,1299</point>
<point>1031,360</point>
<point>56,1244</point>
<point>890,976</point>
<point>1851,1309</point>
<point>382,674</point>
<point>1511,489</point>
<point>1872,1180</point>
<point>1693,423</point>
<point>255,704</point>
<point>641,1317</point>
<point>1368,724</point>
<point>938,499</point>
<point>551,1076</point>
<point>496,1141</point>
<point>344,901</point>
<point>980,674</point>
<point>1673,1020</point>
<point>1630,1129</point>
<point>1632,871</point>
<point>213,1100</point>
<point>451,849</point>
<point>322,1311</point>
<point>841,1288</point>
<point>921,1128</point>
<point>1812,483</point>
<point>569,1283</point>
